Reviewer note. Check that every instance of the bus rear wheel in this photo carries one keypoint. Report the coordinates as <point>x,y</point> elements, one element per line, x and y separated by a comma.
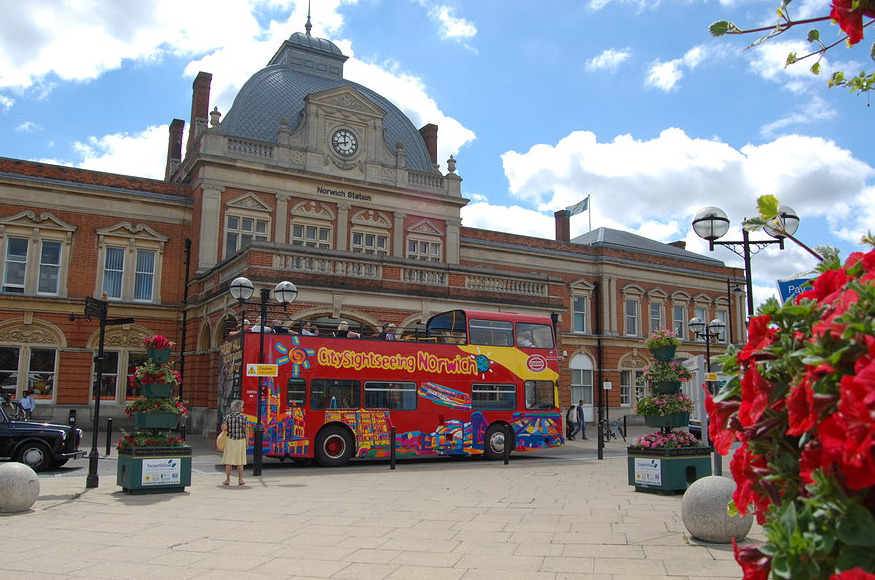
<point>333,447</point>
<point>494,443</point>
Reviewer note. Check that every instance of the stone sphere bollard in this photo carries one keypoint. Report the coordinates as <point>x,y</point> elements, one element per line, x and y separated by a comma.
<point>704,511</point>
<point>19,487</point>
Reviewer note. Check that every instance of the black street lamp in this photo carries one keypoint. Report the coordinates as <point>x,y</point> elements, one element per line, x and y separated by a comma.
<point>713,331</point>
<point>712,223</point>
<point>730,290</point>
<point>241,289</point>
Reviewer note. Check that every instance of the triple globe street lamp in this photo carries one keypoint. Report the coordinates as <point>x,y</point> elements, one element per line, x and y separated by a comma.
<point>712,223</point>
<point>713,331</point>
<point>284,293</point>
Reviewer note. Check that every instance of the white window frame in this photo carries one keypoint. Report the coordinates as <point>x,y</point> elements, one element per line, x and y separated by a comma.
<point>631,318</point>
<point>322,237</point>
<point>723,316</point>
<point>679,321</point>
<point>580,314</point>
<point>36,232</point>
<point>358,241</point>
<point>24,375</point>
<point>253,234</point>
<point>631,383</point>
<point>433,252</point>
<point>658,321</point>
<point>133,242</point>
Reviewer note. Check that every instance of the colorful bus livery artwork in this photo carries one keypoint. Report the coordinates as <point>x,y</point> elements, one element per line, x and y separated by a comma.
<point>452,391</point>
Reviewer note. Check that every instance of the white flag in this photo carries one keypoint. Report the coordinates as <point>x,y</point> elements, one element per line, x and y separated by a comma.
<point>579,207</point>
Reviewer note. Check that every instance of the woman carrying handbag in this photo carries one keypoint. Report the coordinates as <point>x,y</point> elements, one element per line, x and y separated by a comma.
<point>236,428</point>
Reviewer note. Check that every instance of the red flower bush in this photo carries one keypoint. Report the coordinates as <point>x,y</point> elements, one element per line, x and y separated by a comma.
<point>158,341</point>
<point>802,404</point>
<point>850,19</point>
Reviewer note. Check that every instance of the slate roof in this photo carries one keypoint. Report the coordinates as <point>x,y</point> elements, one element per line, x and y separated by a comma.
<point>628,241</point>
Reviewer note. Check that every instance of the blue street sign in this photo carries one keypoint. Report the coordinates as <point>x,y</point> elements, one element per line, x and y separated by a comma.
<point>788,289</point>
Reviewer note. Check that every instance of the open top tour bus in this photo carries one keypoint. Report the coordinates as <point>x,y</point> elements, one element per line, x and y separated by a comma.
<point>452,391</point>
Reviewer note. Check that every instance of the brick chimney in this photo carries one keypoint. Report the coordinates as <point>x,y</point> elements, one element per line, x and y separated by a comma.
<point>429,134</point>
<point>200,106</point>
<point>563,226</point>
<point>174,148</point>
<point>679,244</point>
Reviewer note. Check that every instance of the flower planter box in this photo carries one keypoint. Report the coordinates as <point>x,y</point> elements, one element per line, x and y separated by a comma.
<point>154,469</point>
<point>670,420</point>
<point>664,353</point>
<point>157,389</point>
<point>155,420</point>
<point>667,470</point>
<point>667,387</point>
<point>159,355</point>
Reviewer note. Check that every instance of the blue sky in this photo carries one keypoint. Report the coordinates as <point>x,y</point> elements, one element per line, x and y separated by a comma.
<point>541,102</point>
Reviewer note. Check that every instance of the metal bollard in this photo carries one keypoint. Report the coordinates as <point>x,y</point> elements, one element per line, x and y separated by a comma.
<point>72,418</point>
<point>392,447</point>
<point>108,433</point>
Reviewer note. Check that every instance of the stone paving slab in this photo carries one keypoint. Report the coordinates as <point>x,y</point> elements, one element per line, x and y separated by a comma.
<point>535,519</point>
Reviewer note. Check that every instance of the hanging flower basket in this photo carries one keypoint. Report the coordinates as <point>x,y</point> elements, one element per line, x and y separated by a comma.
<point>157,389</point>
<point>667,387</point>
<point>155,420</point>
<point>664,353</point>
<point>159,355</point>
<point>670,420</point>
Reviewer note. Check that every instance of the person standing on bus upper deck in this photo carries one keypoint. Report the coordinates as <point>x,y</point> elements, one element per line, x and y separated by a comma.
<point>388,332</point>
<point>257,327</point>
<point>307,329</point>
<point>277,327</point>
<point>343,331</point>
<point>581,421</point>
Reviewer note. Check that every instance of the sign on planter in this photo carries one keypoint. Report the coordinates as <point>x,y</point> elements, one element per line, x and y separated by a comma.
<point>648,471</point>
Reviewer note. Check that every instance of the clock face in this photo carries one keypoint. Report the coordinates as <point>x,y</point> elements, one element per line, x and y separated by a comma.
<point>344,142</point>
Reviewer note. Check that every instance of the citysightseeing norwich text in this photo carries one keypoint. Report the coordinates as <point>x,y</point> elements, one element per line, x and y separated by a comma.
<point>461,364</point>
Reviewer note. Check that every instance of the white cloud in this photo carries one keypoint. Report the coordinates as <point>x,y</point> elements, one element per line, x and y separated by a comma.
<point>609,59</point>
<point>450,26</point>
<point>28,127</point>
<point>6,103</point>
<point>143,154</point>
<point>816,109</point>
<point>665,76</point>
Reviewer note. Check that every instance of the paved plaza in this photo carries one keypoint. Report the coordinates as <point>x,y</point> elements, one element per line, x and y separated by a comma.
<point>563,514</point>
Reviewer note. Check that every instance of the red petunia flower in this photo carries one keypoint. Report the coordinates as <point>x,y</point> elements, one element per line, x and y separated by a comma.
<point>755,564</point>
<point>850,20</point>
<point>759,336</point>
<point>854,574</point>
<point>719,415</point>
<point>755,392</point>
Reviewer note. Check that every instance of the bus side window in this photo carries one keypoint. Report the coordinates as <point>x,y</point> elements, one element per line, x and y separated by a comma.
<point>296,392</point>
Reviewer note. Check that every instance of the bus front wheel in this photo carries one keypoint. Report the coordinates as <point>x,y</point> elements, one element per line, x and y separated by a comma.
<point>333,447</point>
<point>493,444</point>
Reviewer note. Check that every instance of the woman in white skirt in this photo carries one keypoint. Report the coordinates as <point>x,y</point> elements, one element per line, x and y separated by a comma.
<point>237,426</point>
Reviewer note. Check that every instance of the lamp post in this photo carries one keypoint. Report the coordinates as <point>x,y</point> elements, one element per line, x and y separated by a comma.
<point>712,223</point>
<point>712,331</point>
<point>730,290</point>
<point>242,289</point>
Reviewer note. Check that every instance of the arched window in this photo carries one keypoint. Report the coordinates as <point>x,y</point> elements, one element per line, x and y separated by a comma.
<point>581,382</point>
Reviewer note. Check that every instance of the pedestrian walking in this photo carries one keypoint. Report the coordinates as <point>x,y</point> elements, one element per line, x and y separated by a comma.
<point>570,416</point>
<point>580,423</point>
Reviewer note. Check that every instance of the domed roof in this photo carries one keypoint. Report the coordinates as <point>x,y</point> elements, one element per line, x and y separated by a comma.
<point>279,90</point>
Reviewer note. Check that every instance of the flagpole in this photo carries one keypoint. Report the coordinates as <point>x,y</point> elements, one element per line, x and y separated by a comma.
<point>589,207</point>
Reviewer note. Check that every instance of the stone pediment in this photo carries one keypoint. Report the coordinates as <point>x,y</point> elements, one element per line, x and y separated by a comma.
<point>582,286</point>
<point>312,210</point>
<point>345,99</point>
<point>30,219</point>
<point>126,230</point>
<point>424,227</point>
<point>249,201</point>
<point>371,218</point>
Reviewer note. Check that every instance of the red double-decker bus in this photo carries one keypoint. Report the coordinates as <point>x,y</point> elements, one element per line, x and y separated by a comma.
<point>452,390</point>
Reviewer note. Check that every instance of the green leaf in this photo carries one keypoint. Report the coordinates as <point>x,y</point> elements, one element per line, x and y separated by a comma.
<point>815,68</point>
<point>791,58</point>
<point>720,28</point>
<point>767,205</point>
<point>856,527</point>
<point>813,35</point>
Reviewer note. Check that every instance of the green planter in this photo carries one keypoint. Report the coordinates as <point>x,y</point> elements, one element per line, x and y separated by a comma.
<point>155,420</point>
<point>154,469</point>
<point>159,355</point>
<point>665,470</point>
<point>667,387</point>
<point>163,390</point>
<point>665,353</point>
<point>670,420</point>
